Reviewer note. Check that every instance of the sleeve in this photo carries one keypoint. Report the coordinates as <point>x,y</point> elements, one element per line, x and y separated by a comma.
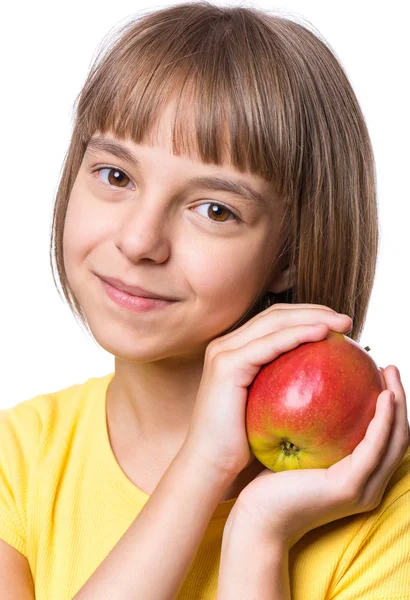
<point>381,568</point>
<point>19,434</point>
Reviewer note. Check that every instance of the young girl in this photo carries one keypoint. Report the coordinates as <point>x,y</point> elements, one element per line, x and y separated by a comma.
<point>217,208</point>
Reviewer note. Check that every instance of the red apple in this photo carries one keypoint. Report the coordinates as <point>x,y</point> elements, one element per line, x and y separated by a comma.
<point>311,406</point>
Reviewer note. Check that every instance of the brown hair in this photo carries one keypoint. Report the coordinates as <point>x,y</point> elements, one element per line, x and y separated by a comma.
<point>293,119</point>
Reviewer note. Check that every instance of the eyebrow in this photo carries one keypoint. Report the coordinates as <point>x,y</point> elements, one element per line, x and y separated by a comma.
<point>237,187</point>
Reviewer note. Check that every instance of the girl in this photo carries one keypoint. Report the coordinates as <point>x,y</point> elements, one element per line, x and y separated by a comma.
<point>217,208</point>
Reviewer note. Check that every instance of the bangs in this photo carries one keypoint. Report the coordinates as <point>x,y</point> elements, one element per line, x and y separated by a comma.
<point>229,105</point>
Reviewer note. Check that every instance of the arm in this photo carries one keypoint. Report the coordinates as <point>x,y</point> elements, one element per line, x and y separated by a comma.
<point>152,558</point>
<point>252,567</point>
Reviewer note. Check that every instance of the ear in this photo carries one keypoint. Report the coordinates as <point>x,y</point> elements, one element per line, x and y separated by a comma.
<point>284,279</point>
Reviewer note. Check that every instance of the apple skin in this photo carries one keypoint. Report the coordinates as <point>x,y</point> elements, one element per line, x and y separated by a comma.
<point>311,406</point>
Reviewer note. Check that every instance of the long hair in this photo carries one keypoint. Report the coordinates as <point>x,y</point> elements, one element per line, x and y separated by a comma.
<point>292,117</point>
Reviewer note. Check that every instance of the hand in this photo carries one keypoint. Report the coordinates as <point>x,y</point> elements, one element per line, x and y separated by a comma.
<point>284,506</point>
<point>217,433</point>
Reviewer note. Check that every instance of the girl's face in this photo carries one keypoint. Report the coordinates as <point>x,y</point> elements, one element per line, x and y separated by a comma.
<point>143,221</point>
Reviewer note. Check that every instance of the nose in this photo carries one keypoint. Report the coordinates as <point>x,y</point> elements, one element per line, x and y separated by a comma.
<point>145,232</point>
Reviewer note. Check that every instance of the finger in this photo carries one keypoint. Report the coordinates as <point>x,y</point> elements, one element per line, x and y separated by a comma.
<point>243,363</point>
<point>281,319</point>
<point>301,306</point>
<point>401,424</point>
<point>398,441</point>
<point>288,307</point>
<point>393,382</point>
<point>382,379</point>
<point>367,455</point>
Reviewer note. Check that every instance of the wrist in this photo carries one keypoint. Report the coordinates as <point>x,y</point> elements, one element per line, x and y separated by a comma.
<point>240,523</point>
<point>208,468</point>
<point>254,564</point>
<point>216,478</point>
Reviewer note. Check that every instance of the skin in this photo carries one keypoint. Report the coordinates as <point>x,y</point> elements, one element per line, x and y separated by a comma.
<point>156,234</point>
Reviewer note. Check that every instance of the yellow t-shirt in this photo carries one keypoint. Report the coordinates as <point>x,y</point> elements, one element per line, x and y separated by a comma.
<point>65,502</point>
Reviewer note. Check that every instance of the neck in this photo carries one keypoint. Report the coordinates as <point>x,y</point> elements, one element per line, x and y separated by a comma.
<point>154,401</point>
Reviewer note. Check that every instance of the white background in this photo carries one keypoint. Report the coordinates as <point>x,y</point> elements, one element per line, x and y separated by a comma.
<point>46,51</point>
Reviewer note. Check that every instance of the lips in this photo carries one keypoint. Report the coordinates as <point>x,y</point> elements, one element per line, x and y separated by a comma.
<point>134,290</point>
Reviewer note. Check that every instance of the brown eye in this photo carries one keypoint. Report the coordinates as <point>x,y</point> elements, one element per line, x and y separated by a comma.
<point>116,177</point>
<point>218,212</point>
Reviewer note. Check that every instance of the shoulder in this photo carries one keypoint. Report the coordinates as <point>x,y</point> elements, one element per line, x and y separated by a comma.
<point>392,516</point>
<point>362,555</point>
<point>376,559</point>
<point>34,437</point>
<point>33,421</point>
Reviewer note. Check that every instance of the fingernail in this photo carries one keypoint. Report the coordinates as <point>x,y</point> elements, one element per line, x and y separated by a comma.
<point>398,374</point>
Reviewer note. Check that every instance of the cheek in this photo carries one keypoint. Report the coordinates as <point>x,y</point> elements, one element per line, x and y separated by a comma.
<point>229,273</point>
<point>83,229</point>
